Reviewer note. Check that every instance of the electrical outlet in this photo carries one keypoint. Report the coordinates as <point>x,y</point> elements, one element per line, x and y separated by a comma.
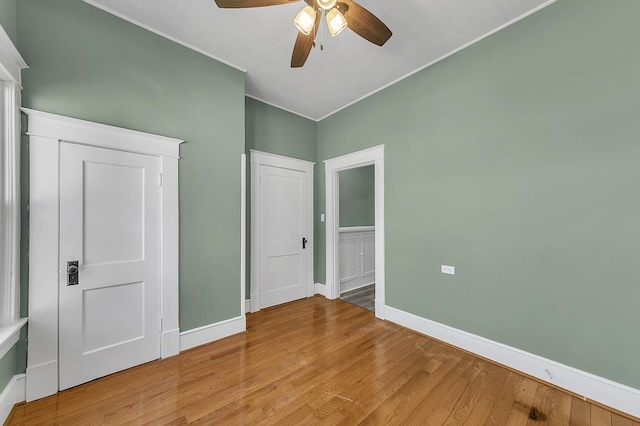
<point>449,270</point>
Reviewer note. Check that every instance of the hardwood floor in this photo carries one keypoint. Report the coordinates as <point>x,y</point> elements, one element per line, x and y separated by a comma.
<point>322,362</point>
<point>364,297</point>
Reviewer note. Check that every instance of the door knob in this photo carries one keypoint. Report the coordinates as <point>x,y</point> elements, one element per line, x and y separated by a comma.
<point>72,272</point>
<point>304,243</point>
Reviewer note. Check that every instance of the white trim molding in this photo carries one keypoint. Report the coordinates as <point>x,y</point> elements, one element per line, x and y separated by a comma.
<point>12,394</point>
<point>212,332</point>
<point>243,233</point>
<point>9,335</point>
<point>592,387</point>
<point>365,157</point>
<point>59,127</point>
<point>46,133</point>
<point>356,229</point>
<point>11,62</point>
<point>321,289</point>
<point>259,159</point>
<point>11,65</point>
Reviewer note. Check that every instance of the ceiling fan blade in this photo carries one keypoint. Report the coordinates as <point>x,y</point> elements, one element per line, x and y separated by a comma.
<point>235,4</point>
<point>364,23</point>
<point>304,43</point>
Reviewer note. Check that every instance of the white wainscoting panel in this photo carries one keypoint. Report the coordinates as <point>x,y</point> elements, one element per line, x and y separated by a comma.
<point>349,246</point>
<point>590,386</point>
<point>356,248</point>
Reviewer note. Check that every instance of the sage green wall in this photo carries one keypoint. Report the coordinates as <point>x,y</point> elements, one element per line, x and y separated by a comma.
<point>88,64</point>
<point>357,190</point>
<point>273,130</point>
<point>8,18</point>
<point>516,161</point>
<point>7,367</point>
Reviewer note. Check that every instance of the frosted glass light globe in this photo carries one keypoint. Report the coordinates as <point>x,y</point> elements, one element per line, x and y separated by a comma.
<point>326,4</point>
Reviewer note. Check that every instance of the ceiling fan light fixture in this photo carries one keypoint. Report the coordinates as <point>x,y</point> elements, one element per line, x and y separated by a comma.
<point>326,4</point>
<point>305,20</point>
<point>336,22</point>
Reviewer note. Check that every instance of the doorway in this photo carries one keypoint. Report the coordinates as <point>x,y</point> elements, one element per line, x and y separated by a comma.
<point>371,156</point>
<point>356,241</point>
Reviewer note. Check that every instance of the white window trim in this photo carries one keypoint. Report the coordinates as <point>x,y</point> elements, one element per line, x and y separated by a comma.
<point>11,63</point>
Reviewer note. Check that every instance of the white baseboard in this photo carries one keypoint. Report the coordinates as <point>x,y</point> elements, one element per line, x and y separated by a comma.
<point>321,289</point>
<point>13,393</point>
<point>212,332</point>
<point>42,380</point>
<point>247,305</point>
<point>170,345</point>
<point>254,302</point>
<point>595,388</point>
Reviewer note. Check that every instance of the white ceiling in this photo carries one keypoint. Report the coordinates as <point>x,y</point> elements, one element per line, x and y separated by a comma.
<point>260,41</point>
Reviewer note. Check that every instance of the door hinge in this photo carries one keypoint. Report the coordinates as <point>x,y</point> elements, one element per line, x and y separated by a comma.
<point>160,325</point>
<point>160,180</point>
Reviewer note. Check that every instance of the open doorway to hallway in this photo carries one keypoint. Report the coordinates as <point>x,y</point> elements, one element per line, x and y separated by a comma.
<point>356,236</point>
<point>370,156</point>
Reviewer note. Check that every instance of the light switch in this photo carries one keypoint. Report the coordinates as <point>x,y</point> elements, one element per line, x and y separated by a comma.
<point>450,270</point>
<point>321,217</point>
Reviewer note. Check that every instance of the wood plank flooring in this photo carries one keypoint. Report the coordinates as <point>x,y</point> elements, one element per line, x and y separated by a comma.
<point>321,362</point>
<point>364,297</point>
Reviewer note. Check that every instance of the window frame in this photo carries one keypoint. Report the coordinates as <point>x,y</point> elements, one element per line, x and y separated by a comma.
<point>11,64</point>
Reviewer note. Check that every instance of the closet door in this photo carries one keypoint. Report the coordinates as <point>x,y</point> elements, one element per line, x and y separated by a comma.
<point>109,312</point>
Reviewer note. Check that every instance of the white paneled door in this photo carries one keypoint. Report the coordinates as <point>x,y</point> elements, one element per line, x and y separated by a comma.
<point>283,235</point>
<point>109,309</point>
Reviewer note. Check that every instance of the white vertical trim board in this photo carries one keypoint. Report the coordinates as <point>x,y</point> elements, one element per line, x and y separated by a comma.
<point>11,64</point>
<point>46,132</point>
<point>13,393</point>
<point>170,343</point>
<point>595,388</point>
<point>243,233</point>
<point>258,159</point>
<point>212,332</point>
<point>366,157</point>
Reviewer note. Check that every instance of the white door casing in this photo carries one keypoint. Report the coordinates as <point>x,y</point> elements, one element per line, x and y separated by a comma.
<point>110,226</point>
<point>281,216</point>
<point>47,132</point>
<point>366,157</point>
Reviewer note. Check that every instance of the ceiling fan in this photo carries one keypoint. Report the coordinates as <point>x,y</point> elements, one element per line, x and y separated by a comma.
<point>340,14</point>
